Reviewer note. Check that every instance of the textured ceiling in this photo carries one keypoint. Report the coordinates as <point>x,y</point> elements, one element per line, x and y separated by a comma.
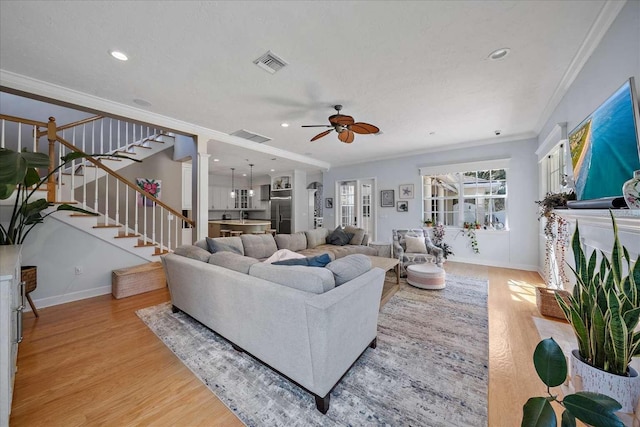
<point>417,70</point>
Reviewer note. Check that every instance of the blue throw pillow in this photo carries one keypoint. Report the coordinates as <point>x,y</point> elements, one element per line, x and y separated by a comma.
<point>316,261</point>
<point>319,261</point>
<point>294,261</point>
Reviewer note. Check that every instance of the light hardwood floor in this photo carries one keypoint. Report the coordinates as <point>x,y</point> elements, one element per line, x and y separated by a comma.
<point>93,362</point>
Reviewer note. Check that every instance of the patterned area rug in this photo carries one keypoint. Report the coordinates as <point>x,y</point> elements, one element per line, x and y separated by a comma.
<point>430,367</point>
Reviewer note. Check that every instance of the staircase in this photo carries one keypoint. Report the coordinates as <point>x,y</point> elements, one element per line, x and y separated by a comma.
<point>127,216</point>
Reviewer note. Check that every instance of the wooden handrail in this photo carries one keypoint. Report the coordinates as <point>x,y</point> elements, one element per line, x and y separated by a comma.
<point>25,121</point>
<point>71,125</point>
<point>126,182</point>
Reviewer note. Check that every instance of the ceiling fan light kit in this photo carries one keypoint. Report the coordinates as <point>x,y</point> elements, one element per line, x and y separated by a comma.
<point>345,126</point>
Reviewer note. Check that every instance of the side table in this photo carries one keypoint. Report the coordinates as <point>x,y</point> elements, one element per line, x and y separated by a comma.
<point>383,248</point>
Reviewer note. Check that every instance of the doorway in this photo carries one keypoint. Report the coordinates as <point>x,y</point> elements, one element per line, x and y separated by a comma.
<point>357,205</point>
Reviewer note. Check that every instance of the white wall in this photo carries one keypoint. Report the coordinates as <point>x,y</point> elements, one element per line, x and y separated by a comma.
<point>57,248</point>
<point>516,248</point>
<point>616,58</point>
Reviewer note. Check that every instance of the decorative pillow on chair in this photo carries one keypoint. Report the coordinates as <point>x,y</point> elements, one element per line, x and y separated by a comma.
<point>415,245</point>
<point>339,237</point>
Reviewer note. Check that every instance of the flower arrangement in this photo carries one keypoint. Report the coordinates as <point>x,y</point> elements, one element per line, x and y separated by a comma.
<point>438,240</point>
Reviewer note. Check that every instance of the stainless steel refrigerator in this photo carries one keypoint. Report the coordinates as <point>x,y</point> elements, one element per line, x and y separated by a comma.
<point>281,214</point>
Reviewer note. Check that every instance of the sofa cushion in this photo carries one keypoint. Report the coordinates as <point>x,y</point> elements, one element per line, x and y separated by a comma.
<point>339,237</point>
<point>358,234</point>
<point>349,267</point>
<point>294,242</point>
<point>316,237</point>
<point>225,244</point>
<point>258,245</point>
<point>309,279</point>
<point>415,245</point>
<point>193,252</point>
<point>314,261</point>
<point>232,261</point>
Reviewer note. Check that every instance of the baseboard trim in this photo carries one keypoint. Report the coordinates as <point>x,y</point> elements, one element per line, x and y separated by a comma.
<point>70,297</point>
<point>492,263</point>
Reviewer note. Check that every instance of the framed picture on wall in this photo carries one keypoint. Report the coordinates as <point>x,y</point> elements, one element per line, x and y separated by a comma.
<point>403,207</point>
<point>328,203</point>
<point>406,191</point>
<point>387,198</point>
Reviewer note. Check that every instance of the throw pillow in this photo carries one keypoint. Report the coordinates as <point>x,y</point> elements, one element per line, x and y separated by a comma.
<point>358,234</point>
<point>415,245</point>
<point>193,252</point>
<point>293,261</point>
<point>319,260</point>
<point>339,237</point>
<point>281,255</point>
<point>228,244</point>
<point>349,267</point>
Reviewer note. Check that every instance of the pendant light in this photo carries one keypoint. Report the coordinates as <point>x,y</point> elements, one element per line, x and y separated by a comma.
<point>251,181</point>
<point>233,190</point>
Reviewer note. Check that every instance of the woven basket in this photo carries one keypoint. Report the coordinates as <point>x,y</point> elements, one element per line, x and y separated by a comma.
<point>547,304</point>
<point>29,276</point>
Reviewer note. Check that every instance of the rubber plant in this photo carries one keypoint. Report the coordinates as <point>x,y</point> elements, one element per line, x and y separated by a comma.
<point>19,175</point>
<point>604,308</point>
<point>595,409</point>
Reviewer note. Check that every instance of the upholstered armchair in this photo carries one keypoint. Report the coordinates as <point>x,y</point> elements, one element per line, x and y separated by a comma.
<point>416,252</point>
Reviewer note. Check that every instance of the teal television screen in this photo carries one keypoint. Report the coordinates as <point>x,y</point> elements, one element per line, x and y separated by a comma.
<point>604,146</point>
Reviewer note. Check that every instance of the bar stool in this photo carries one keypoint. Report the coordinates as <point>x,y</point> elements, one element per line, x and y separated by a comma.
<point>236,233</point>
<point>271,231</point>
<point>225,233</point>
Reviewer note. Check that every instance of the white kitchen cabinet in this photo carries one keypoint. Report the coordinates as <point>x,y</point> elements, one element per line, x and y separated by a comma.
<point>11,306</point>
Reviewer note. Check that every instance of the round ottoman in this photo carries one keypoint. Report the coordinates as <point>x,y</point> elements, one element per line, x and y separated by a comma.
<point>426,276</point>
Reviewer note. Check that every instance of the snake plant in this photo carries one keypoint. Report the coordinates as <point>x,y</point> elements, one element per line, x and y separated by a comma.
<point>604,308</point>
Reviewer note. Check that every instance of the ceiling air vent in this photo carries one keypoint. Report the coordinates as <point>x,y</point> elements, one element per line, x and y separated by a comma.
<point>251,136</point>
<point>270,62</point>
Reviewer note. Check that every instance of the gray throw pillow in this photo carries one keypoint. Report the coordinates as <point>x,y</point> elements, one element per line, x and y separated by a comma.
<point>259,246</point>
<point>349,267</point>
<point>294,242</point>
<point>316,237</point>
<point>358,234</point>
<point>339,237</point>
<point>228,244</point>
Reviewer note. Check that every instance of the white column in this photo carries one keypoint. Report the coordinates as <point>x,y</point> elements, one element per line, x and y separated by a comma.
<point>202,214</point>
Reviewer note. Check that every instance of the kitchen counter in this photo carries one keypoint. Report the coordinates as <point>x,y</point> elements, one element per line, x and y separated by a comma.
<point>247,226</point>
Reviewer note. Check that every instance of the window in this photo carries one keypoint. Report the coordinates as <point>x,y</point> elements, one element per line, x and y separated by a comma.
<point>467,196</point>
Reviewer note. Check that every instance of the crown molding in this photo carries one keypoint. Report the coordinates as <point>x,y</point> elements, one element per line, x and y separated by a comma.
<point>598,29</point>
<point>41,88</point>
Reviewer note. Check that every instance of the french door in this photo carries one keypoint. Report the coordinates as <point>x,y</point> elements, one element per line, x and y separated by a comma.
<point>356,205</point>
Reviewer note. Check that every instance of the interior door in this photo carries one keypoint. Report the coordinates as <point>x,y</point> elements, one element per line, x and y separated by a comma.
<point>356,204</point>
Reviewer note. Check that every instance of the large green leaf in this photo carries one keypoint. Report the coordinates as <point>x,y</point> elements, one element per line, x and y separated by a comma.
<point>550,362</point>
<point>597,336</point>
<point>618,334</point>
<point>590,411</point>
<point>67,207</point>
<point>616,252</point>
<point>538,412</point>
<point>609,403</point>
<point>568,420</point>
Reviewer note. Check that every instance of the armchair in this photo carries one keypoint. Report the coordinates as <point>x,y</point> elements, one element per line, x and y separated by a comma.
<point>408,258</point>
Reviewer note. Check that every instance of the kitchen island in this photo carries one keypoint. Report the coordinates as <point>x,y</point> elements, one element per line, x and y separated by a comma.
<point>247,226</point>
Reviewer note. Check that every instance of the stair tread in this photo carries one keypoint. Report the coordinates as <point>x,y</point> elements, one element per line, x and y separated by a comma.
<point>126,236</point>
<point>144,245</point>
<point>107,226</point>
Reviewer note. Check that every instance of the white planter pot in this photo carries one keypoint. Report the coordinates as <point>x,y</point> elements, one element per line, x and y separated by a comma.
<point>626,390</point>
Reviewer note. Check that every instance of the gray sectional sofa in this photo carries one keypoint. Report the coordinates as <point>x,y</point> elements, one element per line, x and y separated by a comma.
<point>310,324</point>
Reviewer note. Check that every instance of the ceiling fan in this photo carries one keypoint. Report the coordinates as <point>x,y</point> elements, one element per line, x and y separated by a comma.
<point>345,126</point>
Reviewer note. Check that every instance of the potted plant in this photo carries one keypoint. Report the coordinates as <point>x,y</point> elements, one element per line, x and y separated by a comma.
<point>556,233</point>
<point>591,408</point>
<point>438,240</point>
<point>604,311</point>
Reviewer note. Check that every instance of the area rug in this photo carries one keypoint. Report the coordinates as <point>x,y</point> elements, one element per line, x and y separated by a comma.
<point>430,367</point>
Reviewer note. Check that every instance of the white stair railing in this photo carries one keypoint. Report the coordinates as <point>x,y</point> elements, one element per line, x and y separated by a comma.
<point>161,224</point>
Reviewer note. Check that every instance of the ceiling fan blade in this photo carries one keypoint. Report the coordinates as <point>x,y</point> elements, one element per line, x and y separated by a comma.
<point>316,126</point>
<point>346,136</point>
<point>321,134</point>
<point>363,128</point>
<point>341,119</point>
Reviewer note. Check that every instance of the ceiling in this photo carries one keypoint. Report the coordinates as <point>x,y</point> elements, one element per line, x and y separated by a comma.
<point>418,70</point>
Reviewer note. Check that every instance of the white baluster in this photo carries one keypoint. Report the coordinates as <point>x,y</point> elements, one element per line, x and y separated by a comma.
<point>144,220</point>
<point>102,136</point>
<point>153,224</point>
<point>72,190</point>
<point>19,137</point>
<point>126,208</point>
<point>35,138</point>
<point>95,192</point>
<point>162,230</point>
<point>169,219</point>
<point>126,135</point>
<point>117,216</point>
<point>2,138</point>
<point>136,214</point>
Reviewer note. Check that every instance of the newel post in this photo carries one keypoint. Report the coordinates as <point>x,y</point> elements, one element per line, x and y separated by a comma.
<point>51,136</point>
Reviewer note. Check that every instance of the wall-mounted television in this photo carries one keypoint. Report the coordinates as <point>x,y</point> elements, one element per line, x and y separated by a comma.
<point>605,147</point>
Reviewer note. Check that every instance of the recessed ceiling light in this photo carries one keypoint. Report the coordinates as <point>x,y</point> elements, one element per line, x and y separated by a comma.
<point>216,160</point>
<point>272,170</point>
<point>500,53</point>
<point>244,174</point>
<point>118,55</point>
<point>284,125</point>
<point>432,133</point>
<point>142,102</point>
